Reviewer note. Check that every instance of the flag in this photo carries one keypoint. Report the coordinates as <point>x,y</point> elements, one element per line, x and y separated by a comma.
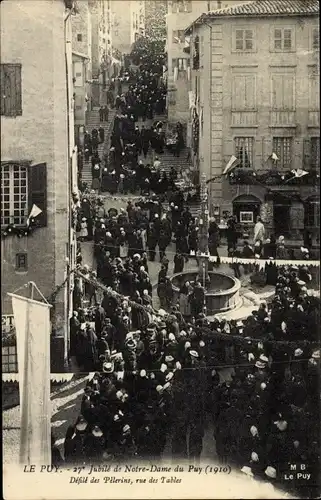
<point>35,211</point>
<point>274,157</point>
<point>299,172</point>
<point>232,163</point>
<point>32,323</point>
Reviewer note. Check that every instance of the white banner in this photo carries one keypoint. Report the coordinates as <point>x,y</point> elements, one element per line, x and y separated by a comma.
<point>32,323</point>
<point>262,262</point>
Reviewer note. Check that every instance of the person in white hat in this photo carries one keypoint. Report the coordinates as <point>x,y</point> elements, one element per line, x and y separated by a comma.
<point>83,235</point>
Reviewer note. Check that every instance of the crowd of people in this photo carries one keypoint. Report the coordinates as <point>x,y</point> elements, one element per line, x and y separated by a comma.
<point>162,378</point>
<point>121,170</point>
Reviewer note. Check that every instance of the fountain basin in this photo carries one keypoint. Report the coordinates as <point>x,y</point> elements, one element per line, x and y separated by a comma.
<point>222,293</point>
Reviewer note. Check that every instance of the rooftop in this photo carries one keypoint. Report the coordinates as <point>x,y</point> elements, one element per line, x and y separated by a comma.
<point>263,8</point>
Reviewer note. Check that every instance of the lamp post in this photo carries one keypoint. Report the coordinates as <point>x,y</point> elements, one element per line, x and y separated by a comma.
<point>203,252</point>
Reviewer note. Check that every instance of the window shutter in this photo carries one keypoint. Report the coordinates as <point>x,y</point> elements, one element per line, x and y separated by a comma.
<point>277,92</point>
<point>288,91</point>
<point>37,183</point>
<point>3,93</point>
<point>11,90</point>
<point>238,93</point>
<point>306,153</point>
<point>250,92</point>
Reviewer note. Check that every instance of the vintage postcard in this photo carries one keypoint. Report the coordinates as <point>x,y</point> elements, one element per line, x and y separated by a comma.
<point>160,212</point>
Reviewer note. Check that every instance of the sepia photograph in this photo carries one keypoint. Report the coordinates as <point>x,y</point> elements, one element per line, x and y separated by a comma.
<point>160,248</point>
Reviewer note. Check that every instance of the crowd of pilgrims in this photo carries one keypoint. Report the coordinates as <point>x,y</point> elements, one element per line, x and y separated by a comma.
<point>163,378</point>
<point>254,382</point>
<point>121,170</point>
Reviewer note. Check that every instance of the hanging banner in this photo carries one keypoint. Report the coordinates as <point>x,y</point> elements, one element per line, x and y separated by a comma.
<point>32,323</point>
<point>262,262</point>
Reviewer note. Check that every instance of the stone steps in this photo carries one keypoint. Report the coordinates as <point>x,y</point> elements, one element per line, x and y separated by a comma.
<point>93,121</point>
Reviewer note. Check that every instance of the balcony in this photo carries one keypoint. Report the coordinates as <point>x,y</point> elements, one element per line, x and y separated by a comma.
<point>280,118</point>
<point>272,177</point>
<point>314,119</point>
<point>244,119</point>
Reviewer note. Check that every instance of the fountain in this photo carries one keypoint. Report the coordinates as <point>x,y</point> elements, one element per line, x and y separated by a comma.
<point>222,291</point>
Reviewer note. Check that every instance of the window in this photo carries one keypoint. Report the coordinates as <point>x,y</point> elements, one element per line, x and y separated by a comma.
<point>315,153</point>
<point>243,40</point>
<point>283,88</point>
<point>315,39</point>
<point>21,262</point>
<point>79,37</point>
<point>196,53</point>
<point>282,146</point>
<point>180,63</point>
<point>314,89</point>
<point>178,36</point>
<point>14,195</point>
<point>78,74</point>
<point>219,4</point>
<point>9,359</point>
<point>244,151</point>
<point>246,217</point>
<point>21,188</point>
<point>244,93</point>
<point>10,80</point>
<point>182,6</point>
<point>283,39</point>
<point>312,212</point>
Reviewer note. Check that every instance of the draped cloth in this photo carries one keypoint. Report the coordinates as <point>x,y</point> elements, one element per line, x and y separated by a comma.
<point>32,323</point>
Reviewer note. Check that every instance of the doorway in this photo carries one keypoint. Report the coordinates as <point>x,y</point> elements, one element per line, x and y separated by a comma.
<point>281,217</point>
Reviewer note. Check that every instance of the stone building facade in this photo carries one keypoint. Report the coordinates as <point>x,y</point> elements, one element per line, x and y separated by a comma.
<point>37,132</point>
<point>180,14</point>
<point>259,69</point>
<point>81,56</point>
<point>101,49</point>
<point>128,23</point>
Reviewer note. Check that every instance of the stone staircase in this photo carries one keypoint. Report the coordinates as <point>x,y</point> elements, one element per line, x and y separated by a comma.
<point>93,121</point>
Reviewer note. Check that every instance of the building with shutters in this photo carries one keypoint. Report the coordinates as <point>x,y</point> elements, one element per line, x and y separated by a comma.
<point>102,65</point>
<point>180,14</point>
<point>38,154</point>
<point>81,61</point>
<point>128,23</point>
<point>258,67</point>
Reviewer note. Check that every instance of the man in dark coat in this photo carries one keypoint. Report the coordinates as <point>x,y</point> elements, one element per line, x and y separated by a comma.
<point>101,132</point>
<point>178,262</point>
<point>99,319</point>
<point>214,240</point>
<point>197,299</point>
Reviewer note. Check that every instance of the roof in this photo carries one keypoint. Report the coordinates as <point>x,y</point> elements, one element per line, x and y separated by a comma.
<point>79,54</point>
<point>263,8</point>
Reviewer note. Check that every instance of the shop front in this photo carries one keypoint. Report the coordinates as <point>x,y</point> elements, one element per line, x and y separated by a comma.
<point>246,209</point>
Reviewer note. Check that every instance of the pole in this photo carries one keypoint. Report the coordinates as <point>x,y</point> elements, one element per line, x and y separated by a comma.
<point>203,239</point>
<point>25,403</point>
